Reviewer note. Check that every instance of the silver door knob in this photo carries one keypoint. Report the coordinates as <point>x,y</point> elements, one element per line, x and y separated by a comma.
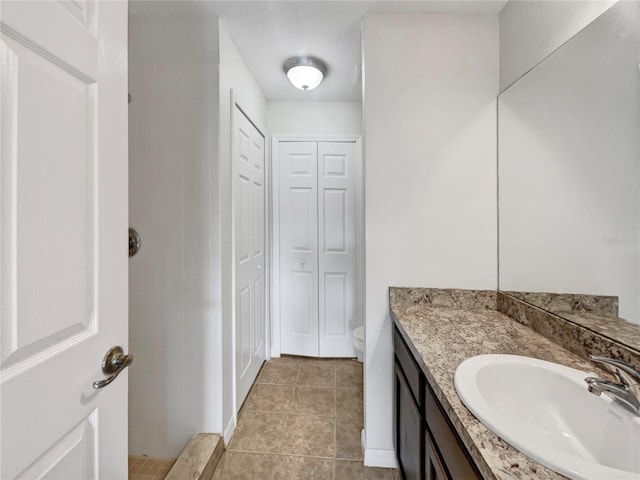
<point>114,362</point>
<point>134,242</point>
<point>259,267</point>
<point>301,262</point>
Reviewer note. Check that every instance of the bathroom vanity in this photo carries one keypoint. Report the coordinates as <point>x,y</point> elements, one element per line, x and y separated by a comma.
<point>434,331</point>
<point>427,445</point>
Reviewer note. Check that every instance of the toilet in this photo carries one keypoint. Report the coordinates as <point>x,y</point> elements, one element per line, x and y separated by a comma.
<point>357,339</point>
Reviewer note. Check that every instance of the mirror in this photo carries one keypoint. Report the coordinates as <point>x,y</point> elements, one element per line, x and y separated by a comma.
<point>569,176</point>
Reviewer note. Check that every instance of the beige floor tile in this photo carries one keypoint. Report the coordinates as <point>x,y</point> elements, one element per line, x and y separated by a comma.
<point>287,359</point>
<point>279,373</point>
<point>267,397</point>
<point>303,468</point>
<point>245,466</point>
<point>258,432</point>
<point>345,360</point>
<point>349,403</point>
<point>349,470</point>
<point>315,400</point>
<point>349,374</point>
<point>317,374</point>
<point>301,420</point>
<point>319,361</point>
<point>306,360</point>
<point>348,439</point>
<point>308,435</point>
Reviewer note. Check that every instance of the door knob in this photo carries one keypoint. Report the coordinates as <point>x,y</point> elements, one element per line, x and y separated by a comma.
<point>301,262</point>
<point>114,362</point>
<point>134,242</point>
<point>259,267</point>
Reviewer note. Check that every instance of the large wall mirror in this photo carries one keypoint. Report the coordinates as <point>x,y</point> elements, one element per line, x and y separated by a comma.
<point>569,170</point>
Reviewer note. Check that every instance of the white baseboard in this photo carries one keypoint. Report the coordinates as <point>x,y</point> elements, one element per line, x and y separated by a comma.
<point>229,430</point>
<point>377,457</point>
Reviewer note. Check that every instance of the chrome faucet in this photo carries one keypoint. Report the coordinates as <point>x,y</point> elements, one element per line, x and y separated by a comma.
<point>626,391</point>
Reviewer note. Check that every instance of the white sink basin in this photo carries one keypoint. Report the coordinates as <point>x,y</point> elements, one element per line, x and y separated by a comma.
<point>545,411</point>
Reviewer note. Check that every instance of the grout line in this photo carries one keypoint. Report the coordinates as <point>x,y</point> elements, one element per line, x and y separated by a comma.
<point>335,443</point>
<point>297,455</point>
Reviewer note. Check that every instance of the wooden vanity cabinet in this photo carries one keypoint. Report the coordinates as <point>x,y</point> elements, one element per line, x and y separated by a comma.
<point>434,469</point>
<point>409,430</point>
<point>409,418</point>
<point>427,447</point>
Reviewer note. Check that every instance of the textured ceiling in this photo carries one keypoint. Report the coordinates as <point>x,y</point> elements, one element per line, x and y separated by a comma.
<point>268,32</point>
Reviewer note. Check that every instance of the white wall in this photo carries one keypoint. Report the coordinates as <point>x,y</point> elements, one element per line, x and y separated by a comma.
<point>532,29</point>
<point>234,74</point>
<point>175,382</point>
<point>430,146</point>
<point>314,118</point>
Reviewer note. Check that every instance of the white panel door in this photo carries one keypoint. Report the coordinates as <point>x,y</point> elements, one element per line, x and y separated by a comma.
<point>249,239</point>
<point>63,255</point>
<point>337,209</point>
<point>298,208</point>
<point>317,203</point>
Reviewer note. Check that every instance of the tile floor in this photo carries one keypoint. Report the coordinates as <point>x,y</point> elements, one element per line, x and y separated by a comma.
<point>301,420</point>
<point>148,468</point>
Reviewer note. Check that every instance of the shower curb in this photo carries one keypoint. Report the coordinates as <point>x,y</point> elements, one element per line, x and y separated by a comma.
<point>199,459</point>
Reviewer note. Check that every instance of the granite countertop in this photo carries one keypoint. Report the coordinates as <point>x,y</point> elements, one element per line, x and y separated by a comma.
<point>442,330</point>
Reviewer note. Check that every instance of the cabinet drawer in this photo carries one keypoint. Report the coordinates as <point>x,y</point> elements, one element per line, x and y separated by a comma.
<point>451,449</point>
<point>409,367</point>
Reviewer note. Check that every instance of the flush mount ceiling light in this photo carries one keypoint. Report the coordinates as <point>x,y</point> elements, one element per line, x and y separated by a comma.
<point>305,73</point>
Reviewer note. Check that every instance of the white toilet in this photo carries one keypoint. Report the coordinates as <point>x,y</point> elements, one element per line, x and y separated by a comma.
<point>358,342</point>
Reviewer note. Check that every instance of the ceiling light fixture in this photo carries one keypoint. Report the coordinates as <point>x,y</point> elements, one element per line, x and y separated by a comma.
<point>305,73</point>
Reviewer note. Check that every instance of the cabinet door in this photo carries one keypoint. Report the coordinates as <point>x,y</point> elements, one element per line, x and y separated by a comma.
<point>409,430</point>
<point>433,463</point>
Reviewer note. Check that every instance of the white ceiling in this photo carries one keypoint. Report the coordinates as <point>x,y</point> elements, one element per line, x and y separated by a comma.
<point>268,32</point>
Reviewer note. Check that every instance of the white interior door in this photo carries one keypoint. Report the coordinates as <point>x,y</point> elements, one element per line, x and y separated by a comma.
<point>337,243</point>
<point>317,202</point>
<point>63,270</point>
<point>298,204</point>
<point>249,238</point>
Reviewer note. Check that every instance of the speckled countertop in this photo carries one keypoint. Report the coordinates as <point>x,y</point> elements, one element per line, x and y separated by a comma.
<point>445,327</point>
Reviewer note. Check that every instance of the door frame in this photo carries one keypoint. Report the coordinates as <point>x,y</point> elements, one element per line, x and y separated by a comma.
<point>274,225</point>
<point>236,101</point>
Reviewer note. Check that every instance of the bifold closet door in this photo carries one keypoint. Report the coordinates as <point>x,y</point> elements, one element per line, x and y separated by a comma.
<point>336,247</point>
<point>317,204</point>
<point>298,203</point>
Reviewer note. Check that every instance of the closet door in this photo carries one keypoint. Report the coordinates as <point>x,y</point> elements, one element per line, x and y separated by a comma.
<point>337,208</point>
<point>298,203</point>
